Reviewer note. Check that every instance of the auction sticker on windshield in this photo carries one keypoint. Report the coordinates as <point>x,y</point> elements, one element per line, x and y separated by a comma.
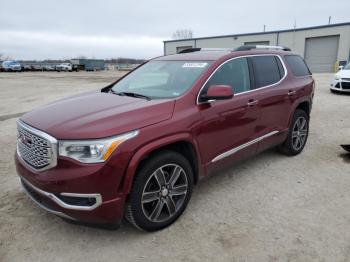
<point>198,65</point>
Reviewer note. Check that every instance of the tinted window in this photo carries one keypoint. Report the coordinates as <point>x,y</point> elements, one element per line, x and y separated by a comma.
<point>298,66</point>
<point>266,70</point>
<point>234,73</point>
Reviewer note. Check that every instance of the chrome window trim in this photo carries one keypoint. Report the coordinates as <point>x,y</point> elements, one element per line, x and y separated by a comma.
<point>238,148</point>
<point>61,203</point>
<point>245,56</point>
<point>53,141</point>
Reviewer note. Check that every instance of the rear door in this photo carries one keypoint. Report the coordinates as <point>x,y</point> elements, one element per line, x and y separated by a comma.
<point>275,96</point>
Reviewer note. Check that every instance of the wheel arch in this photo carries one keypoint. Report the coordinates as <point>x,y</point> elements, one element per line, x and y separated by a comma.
<point>303,104</point>
<point>181,143</point>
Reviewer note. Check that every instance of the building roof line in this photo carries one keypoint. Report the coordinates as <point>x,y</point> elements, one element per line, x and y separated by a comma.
<point>261,33</point>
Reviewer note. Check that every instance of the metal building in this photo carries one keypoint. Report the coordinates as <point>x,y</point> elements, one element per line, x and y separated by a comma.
<point>322,47</point>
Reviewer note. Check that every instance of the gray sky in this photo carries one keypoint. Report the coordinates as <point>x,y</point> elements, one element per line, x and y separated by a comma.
<point>40,29</point>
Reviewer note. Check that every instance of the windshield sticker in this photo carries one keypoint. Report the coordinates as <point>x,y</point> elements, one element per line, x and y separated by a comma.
<point>196,65</point>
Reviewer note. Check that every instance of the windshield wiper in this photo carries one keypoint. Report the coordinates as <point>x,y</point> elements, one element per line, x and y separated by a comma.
<point>130,94</point>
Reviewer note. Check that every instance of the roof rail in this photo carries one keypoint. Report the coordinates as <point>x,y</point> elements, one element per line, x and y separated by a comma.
<point>250,47</point>
<point>196,49</point>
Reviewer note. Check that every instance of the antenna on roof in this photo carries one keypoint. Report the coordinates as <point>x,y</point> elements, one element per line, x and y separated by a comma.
<point>196,49</point>
<point>189,50</point>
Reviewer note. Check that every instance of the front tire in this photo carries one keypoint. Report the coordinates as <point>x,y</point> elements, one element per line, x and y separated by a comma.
<point>161,191</point>
<point>297,134</point>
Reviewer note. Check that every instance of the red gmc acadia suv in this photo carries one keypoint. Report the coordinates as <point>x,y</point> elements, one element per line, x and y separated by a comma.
<point>137,147</point>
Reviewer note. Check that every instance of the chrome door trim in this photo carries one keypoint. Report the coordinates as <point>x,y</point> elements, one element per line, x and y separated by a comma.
<point>236,149</point>
<point>245,56</point>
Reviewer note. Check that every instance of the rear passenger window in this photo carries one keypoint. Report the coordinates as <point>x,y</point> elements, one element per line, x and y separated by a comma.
<point>234,73</point>
<point>298,66</point>
<point>267,71</point>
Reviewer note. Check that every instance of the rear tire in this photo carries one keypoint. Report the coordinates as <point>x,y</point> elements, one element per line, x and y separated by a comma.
<point>161,191</point>
<point>297,134</point>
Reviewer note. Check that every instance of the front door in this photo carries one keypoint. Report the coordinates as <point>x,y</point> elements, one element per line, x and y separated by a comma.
<point>228,127</point>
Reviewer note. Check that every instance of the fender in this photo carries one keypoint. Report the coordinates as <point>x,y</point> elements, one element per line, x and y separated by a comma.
<point>295,105</point>
<point>150,147</point>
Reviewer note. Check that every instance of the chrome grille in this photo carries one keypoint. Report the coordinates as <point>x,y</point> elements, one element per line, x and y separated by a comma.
<point>36,148</point>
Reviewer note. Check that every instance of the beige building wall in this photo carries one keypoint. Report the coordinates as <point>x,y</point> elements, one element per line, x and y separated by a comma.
<point>170,47</point>
<point>235,41</point>
<point>295,40</point>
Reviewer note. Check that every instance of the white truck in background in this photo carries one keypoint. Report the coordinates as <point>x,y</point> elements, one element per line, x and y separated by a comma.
<point>64,67</point>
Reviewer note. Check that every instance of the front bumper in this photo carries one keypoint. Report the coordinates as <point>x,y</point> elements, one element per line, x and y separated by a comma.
<point>341,85</point>
<point>67,200</point>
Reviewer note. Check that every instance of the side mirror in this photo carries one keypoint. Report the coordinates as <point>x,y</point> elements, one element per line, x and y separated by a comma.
<point>218,92</point>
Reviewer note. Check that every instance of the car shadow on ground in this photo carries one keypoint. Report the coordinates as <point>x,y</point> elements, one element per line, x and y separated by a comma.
<point>345,157</point>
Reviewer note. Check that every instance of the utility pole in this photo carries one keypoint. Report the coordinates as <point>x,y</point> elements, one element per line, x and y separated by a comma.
<point>264,28</point>
<point>295,27</point>
<point>329,20</point>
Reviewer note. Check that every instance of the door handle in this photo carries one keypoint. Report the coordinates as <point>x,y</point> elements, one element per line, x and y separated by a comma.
<point>292,92</point>
<point>252,102</point>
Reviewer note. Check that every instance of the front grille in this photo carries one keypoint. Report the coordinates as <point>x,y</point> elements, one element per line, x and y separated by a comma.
<point>345,85</point>
<point>346,79</point>
<point>36,148</point>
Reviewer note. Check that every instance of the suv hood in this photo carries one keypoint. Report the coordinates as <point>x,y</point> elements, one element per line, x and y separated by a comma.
<point>97,115</point>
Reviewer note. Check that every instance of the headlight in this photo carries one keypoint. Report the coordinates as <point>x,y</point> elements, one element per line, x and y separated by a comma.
<point>336,78</point>
<point>92,151</point>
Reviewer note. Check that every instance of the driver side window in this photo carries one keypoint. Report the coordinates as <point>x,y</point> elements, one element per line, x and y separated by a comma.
<point>234,73</point>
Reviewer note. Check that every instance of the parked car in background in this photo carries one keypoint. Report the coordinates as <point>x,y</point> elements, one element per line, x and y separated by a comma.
<point>49,68</point>
<point>36,67</point>
<point>137,147</point>
<point>64,67</point>
<point>11,66</point>
<point>341,80</point>
<point>26,68</point>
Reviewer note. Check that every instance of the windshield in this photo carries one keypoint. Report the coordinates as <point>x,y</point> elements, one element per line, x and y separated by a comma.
<point>161,79</point>
<point>347,67</point>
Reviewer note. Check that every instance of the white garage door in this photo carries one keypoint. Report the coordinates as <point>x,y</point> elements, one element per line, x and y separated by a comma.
<point>321,53</point>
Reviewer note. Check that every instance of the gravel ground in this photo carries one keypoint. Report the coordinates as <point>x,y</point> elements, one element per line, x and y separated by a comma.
<point>268,208</point>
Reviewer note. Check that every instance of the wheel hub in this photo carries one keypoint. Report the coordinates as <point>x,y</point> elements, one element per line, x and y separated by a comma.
<point>164,192</point>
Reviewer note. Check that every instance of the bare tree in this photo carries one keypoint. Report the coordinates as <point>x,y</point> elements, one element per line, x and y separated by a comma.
<point>183,34</point>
